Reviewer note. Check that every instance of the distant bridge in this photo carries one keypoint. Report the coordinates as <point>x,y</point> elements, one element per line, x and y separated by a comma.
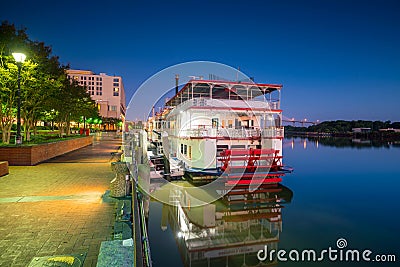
<point>303,122</point>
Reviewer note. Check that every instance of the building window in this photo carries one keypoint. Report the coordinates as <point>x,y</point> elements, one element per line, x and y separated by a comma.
<point>116,80</point>
<point>97,79</point>
<point>116,84</point>
<point>113,108</point>
<point>84,78</point>
<point>115,92</point>
<point>181,148</point>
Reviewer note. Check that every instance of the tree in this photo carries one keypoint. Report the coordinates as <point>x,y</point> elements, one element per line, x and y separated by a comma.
<point>45,88</point>
<point>11,39</point>
<point>71,102</point>
<point>41,82</point>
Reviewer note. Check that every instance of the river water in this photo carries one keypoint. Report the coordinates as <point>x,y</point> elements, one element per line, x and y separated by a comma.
<point>338,190</point>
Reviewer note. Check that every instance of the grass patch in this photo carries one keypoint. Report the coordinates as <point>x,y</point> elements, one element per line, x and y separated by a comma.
<point>42,139</point>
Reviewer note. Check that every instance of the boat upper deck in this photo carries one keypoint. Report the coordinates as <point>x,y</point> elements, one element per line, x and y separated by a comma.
<point>221,90</point>
<point>225,105</point>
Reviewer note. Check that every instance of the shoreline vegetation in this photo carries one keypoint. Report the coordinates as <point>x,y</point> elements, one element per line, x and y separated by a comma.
<point>341,128</point>
<point>349,133</point>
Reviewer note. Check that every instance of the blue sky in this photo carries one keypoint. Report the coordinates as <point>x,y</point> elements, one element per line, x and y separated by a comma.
<point>336,59</point>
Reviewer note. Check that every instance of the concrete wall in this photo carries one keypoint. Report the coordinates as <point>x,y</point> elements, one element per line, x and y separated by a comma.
<point>32,155</point>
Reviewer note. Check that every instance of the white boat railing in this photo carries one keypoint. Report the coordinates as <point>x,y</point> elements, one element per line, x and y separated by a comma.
<point>205,102</point>
<point>232,133</point>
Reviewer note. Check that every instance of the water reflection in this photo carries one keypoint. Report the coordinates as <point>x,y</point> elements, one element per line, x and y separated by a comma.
<point>230,231</point>
<point>337,142</point>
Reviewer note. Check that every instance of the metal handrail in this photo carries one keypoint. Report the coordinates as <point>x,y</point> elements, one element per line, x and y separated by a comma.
<point>145,237</point>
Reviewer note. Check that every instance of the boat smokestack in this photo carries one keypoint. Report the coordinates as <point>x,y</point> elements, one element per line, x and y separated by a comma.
<point>176,83</point>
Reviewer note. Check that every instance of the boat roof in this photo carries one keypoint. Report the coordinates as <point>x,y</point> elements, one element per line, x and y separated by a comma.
<point>221,90</point>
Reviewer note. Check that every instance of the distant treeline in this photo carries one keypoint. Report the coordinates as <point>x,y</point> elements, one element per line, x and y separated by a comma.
<point>341,126</point>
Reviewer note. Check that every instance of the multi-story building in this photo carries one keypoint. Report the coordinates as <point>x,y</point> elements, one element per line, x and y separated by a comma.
<point>107,91</point>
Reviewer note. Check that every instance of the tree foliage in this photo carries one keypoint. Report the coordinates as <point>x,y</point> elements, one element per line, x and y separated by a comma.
<point>45,88</point>
<point>341,126</point>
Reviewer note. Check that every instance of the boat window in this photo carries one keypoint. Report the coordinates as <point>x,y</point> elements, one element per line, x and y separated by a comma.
<point>237,124</point>
<point>215,123</point>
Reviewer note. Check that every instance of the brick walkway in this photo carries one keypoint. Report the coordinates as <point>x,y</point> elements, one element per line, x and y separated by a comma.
<point>55,208</point>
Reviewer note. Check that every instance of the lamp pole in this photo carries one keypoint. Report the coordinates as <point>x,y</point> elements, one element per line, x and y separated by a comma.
<point>19,137</point>
<point>19,58</point>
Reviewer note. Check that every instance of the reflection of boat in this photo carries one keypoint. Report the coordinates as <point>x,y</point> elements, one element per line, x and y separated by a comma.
<point>212,128</point>
<point>230,231</point>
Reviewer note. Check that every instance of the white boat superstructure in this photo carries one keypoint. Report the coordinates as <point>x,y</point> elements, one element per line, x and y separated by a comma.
<point>211,126</point>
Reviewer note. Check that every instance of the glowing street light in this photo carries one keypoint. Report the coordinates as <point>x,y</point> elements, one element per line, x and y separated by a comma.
<point>19,58</point>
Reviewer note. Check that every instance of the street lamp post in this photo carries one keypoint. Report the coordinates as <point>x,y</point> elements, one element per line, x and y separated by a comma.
<point>19,58</point>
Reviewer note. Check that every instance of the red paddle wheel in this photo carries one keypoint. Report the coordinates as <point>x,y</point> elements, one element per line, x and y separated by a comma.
<point>251,165</point>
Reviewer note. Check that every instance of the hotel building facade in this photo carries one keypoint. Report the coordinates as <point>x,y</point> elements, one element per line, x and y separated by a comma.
<point>107,91</point>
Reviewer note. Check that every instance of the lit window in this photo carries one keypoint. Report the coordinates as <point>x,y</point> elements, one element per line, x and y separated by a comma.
<point>115,92</point>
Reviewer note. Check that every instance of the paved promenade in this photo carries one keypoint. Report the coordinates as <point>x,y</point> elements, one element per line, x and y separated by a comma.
<point>55,208</point>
